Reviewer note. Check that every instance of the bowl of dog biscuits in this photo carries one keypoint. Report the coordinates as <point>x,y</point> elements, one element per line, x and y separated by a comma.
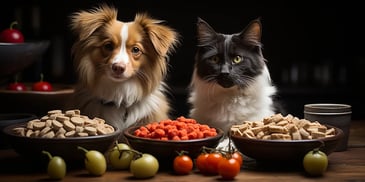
<point>61,133</point>
<point>287,139</point>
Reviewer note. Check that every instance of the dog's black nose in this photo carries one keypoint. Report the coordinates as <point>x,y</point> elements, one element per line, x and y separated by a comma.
<point>118,68</point>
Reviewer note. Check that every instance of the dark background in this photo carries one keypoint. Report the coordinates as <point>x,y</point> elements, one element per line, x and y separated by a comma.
<point>315,50</point>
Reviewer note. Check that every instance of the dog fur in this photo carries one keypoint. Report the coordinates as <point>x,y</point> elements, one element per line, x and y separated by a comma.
<point>121,66</point>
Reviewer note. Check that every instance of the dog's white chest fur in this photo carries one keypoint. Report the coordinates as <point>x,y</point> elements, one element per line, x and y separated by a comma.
<point>119,106</point>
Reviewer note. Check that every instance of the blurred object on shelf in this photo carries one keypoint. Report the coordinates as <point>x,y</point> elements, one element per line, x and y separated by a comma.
<point>15,57</point>
<point>37,102</point>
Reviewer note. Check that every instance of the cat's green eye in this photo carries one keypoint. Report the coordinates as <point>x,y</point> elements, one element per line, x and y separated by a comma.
<point>214,59</point>
<point>237,59</point>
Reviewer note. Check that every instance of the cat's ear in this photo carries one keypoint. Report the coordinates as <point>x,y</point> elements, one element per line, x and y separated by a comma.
<point>205,33</point>
<point>252,33</point>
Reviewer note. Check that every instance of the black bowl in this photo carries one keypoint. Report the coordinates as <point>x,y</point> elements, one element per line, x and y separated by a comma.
<point>15,57</point>
<point>67,148</point>
<point>284,151</point>
<point>10,119</point>
<point>22,101</point>
<point>166,150</point>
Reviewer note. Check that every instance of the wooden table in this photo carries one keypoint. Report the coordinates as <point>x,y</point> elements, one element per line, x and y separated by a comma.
<point>343,166</point>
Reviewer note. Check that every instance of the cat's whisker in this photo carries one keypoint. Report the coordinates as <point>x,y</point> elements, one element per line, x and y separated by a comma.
<point>210,78</point>
<point>212,82</point>
<point>245,81</point>
<point>211,91</point>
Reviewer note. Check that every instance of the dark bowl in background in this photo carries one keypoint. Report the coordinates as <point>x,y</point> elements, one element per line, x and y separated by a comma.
<point>7,119</point>
<point>15,57</point>
<point>36,102</point>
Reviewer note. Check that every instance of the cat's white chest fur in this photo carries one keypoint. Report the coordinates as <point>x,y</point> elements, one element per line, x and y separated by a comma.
<point>221,107</point>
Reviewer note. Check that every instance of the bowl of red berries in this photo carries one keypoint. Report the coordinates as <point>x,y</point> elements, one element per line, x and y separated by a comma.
<point>166,138</point>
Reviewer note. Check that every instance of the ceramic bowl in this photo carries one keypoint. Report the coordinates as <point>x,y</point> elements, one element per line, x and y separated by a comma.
<point>166,150</point>
<point>67,148</point>
<point>35,102</point>
<point>15,57</point>
<point>284,151</point>
<point>7,119</point>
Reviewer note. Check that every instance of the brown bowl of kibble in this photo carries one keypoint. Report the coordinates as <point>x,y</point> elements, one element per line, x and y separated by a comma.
<point>284,139</point>
<point>61,133</point>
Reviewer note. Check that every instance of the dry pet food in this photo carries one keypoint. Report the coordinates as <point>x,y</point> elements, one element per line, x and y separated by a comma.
<point>278,127</point>
<point>57,124</point>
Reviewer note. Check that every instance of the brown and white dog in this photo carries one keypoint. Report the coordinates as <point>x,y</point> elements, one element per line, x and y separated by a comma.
<point>121,66</point>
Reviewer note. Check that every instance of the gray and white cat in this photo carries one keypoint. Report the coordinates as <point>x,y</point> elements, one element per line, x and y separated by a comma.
<point>231,82</point>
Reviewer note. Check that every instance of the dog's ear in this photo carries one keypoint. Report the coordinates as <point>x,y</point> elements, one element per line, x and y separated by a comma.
<point>164,38</point>
<point>84,23</point>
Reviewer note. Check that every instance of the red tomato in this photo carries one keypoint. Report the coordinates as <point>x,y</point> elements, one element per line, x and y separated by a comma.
<point>42,86</point>
<point>228,168</point>
<point>238,156</point>
<point>12,35</point>
<point>183,164</point>
<point>212,161</point>
<point>17,86</point>
<point>200,162</point>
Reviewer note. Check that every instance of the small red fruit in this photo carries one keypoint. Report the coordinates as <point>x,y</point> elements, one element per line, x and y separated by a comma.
<point>182,164</point>
<point>200,162</point>
<point>17,86</point>
<point>11,35</point>
<point>228,168</point>
<point>42,85</point>
<point>212,161</point>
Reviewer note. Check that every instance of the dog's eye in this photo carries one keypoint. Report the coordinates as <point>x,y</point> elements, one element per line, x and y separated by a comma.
<point>136,51</point>
<point>109,46</point>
